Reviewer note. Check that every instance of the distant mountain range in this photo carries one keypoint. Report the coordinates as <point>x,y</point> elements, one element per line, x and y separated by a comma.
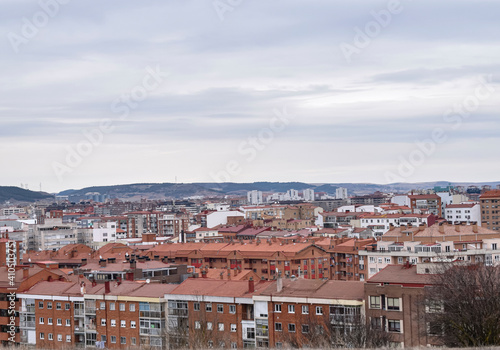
<point>160,191</point>
<point>17,194</point>
<point>177,191</point>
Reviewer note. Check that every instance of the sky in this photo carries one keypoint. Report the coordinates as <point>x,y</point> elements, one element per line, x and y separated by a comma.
<point>318,91</point>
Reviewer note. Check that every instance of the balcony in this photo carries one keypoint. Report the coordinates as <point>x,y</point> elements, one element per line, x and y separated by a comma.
<point>90,328</point>
<point>27,324</point>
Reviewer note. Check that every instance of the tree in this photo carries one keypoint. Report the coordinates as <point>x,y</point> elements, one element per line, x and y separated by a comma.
<point>463,305</point>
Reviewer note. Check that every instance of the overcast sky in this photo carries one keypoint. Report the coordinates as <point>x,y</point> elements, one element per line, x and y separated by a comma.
<point>349,88</point>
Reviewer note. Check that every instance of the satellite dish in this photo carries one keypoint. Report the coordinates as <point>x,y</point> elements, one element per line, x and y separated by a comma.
<point>148,280</point>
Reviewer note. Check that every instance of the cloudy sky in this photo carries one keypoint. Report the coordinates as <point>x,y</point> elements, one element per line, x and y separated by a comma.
<point>113,92</point>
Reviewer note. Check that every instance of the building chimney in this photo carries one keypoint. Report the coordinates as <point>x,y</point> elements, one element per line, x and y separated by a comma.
<point>102,263</point>
<point>133,264</point>
<point>279,283</point>
<point>222,275</point>
<point>474,228</point>
<point>251,285</point>
<point>129,276</point>
<point>156,258</point>
<point>203,273</point>
<point>26,273</point>
<point>235,271</point>
<point>457,227</point>
<point>441,228</point>
<point>229,275</point>
<point>84,262</point>
<point>107,288</point>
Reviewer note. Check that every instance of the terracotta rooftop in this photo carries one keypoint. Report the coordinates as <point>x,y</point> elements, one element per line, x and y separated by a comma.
<point>347,290</point>
<point>219,288</point>
<point>490,194</point>
<point>399,274</point>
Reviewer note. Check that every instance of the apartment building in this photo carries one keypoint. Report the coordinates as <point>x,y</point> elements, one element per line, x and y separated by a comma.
<point>53,234</point>
<point>78,314</point>
<point>380,224</point>
<point>440,242</point>
<point>216,313</point>
<point>262,257</point>
<point>304,313</point>
<point>334,219</point>
<point>490,209</point>
<point>395,302</point>
<point>463,213</point>
<point>426,203</point>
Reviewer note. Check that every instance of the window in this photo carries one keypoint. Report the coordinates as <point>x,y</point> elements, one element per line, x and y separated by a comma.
<point>67,306</point>
<point>493,246</point>
<point>305,328</point>
<point>291,309</point>
<point>372,260</point>
<point>221,327</point>
<point>123,340</point>
<point>58,306</point>
<point>59,321</point>
<point>133,341</point>
<point>112,306</point>
<point>49,305</point>
<point>434,328</point>
<point>196,306</point>
<point>376,323</point>
<point>209,326</point>
<point>208,307</point>
<point>51,336</point>
<point>220,308</point>
<point>291,327</point>
<point>102,305</point>
<point>68,322</point>
<point>434,306</point>
<point>387,260</point>
<point>103,322</point>
<point>279,345</point>
<point>113,339</point>
<point>132,324</point>
<point>40,304</point>
<point>123,323</point>
<point>103,338</point>
<point>319,310</point>
<point>232,309</point>
<point>233,327</point>
<point>131,307</point>
<point>305,309</point>
<point>113,323</point>
<point>394,326</point>
<point>210,344</point>
<point>277,307</point>
<point>393,304</point>
<point>49,321</point>
<point>278,327</point>
<point>59,337</point>
<point>197,325</point>
<point>42,335</point>
<point>122,306</point>
<point>41,320</point>
<point>374,302</point>
<point>234,345</point>
<point>68,339</point>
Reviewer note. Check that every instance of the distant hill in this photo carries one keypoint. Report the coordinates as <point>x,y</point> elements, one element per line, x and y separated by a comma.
<point>171,190</point>
<point>11,193</point>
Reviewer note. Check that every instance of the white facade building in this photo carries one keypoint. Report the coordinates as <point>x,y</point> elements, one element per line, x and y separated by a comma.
<point>254,197</point>
<point>341,193</point>
<point>105,232</point>
<point>220,217</point>
<point>465,212</point>
<point>308,194</point>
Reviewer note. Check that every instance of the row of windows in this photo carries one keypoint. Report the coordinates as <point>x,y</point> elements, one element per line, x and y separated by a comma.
<point>220,308</point>
<point>210,326</point>
<point>378,302</point>
<point>278,327</point>
<point>102,306</point>
<point>59,337</point>
<point>305,309</point>
<point>123,340</point>
<point>123,323</point>
<point>67,306</point>
<point>50,321</point>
